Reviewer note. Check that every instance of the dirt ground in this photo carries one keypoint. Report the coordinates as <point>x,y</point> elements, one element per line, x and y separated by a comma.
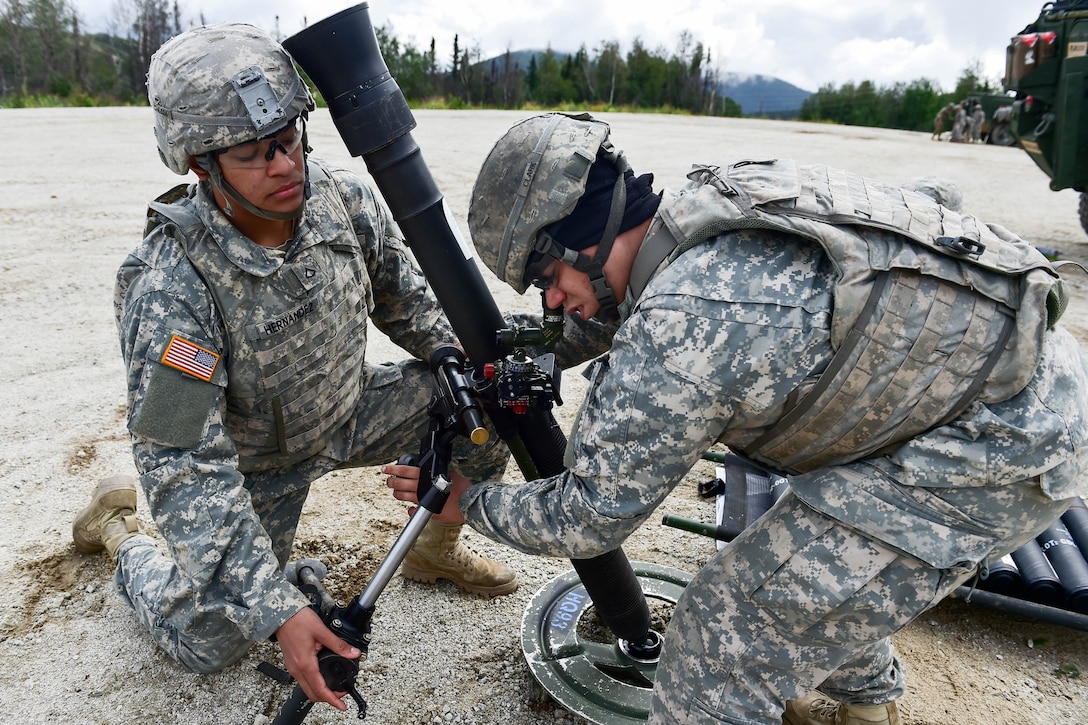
<point>73,191</point>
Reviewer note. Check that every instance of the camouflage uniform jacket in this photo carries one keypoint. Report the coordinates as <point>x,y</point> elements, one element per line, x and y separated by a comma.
<point>714,350</point>
<point>236,354</point>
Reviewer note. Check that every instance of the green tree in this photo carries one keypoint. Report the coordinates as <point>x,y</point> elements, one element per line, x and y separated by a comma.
<point>865,109</point>
<point>44,51</point>
<point>455,64</point>
<point>553,88</point>
<point>684,82</point>
<point>412,68</point>
<point>731,108</point>
<point>504,83</point>
<point>532,78</point>
<point>920,103</point>
<point>971,81</point>
<point>54,48</point>
<point>40,49</point>
<point>581,75</point>
<point>472,75</point>
<point>646,77</point>
<point>146,25</point>
<point>609,71</point>
<point>909,106</point>
<point>14,66</point>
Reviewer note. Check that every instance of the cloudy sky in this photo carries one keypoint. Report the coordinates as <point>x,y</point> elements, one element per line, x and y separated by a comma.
<point>806,43</point>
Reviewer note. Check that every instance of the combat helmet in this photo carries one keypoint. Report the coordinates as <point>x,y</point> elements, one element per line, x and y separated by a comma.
<point>533,178</point>
<point>216,86</point>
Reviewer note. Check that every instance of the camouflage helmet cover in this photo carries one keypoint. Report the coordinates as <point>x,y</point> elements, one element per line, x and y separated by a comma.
<point>207,88</point>
<point>942,191</point>
<point>533,176</point>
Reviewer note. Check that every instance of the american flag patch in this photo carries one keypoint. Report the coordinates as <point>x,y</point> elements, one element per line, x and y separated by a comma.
<point>190,358</point>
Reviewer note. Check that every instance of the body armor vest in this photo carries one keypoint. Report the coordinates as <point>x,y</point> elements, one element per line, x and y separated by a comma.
<point>295,340</point>
<point>933,309</point>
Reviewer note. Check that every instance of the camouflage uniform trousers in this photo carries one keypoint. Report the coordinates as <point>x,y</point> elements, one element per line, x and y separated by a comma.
<point>389,421</point>
<point>801,601</point>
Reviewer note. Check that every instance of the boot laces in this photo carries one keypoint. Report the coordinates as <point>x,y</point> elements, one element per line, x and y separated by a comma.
<point>824,710</point>
<point>463,554</point>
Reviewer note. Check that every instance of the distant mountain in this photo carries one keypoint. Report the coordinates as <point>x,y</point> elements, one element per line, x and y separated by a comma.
<point>757,94</point>
<point>760,95</point>
<point>521,58</point>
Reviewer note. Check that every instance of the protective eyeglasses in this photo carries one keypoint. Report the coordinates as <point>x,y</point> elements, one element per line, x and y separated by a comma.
<point>541,270</point>
<point>250,156</point>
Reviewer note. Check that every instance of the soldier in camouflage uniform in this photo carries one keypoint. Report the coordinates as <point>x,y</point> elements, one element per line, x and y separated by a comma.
<point>961,124</point>
<point>939,121</point>
<point>978,120</point>
<point>825,326</point>
<point>243,318</point>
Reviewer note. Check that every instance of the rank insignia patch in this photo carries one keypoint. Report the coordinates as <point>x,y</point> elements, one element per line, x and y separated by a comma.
<point>190,358</point>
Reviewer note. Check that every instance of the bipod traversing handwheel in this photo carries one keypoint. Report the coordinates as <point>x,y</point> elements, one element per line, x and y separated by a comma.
<point>591,673</point>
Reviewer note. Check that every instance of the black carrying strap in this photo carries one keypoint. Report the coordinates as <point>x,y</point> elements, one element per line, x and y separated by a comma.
<point>917,356</point>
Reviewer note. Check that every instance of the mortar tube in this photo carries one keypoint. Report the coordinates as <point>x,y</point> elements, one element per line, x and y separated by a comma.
<point>1041,583</point>
<point>1002,577</point>
<point>1075,519</point>
<point>993,600</point>
<point>1023,608</point>
<point>341,56</point>
<point>720,533</point>
<point>1068,563</point>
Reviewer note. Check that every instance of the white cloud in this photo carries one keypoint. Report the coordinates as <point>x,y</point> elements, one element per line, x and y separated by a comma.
<point>805,43</point>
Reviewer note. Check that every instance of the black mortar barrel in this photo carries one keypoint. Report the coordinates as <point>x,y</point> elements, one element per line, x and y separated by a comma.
<point>1068,563</point>
<point>1041,583</point>
<point>341,56</point>
<point>1003,577</point>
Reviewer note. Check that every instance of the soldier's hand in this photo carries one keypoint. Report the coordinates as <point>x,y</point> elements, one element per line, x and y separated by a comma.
<point>300,638</point>
<point>404,480</point>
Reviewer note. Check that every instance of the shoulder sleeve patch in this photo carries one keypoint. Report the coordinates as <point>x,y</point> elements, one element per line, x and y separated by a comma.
<point>178,390</point>
<point>172,409</point>
<point>188,357</point>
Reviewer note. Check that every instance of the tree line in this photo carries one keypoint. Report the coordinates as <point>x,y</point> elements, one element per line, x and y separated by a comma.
<point>47,59</point>
<point>684,79</point>
<point>908,106</point>
<point>46,56</point>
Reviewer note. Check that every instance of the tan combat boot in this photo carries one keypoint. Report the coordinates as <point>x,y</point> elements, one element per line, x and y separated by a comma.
<point>439,554</point>
<point>109,519</point>
<point>815,709</point>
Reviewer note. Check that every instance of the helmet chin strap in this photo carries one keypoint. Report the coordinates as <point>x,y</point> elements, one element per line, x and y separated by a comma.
<point>594,266</point>
<point>215,176</point>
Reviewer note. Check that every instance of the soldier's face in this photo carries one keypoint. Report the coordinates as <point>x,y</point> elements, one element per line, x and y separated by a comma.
<point>572,290</point>
<point>275,185</point>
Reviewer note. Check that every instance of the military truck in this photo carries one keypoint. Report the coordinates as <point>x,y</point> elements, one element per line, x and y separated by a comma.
<point>1047,67</point>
